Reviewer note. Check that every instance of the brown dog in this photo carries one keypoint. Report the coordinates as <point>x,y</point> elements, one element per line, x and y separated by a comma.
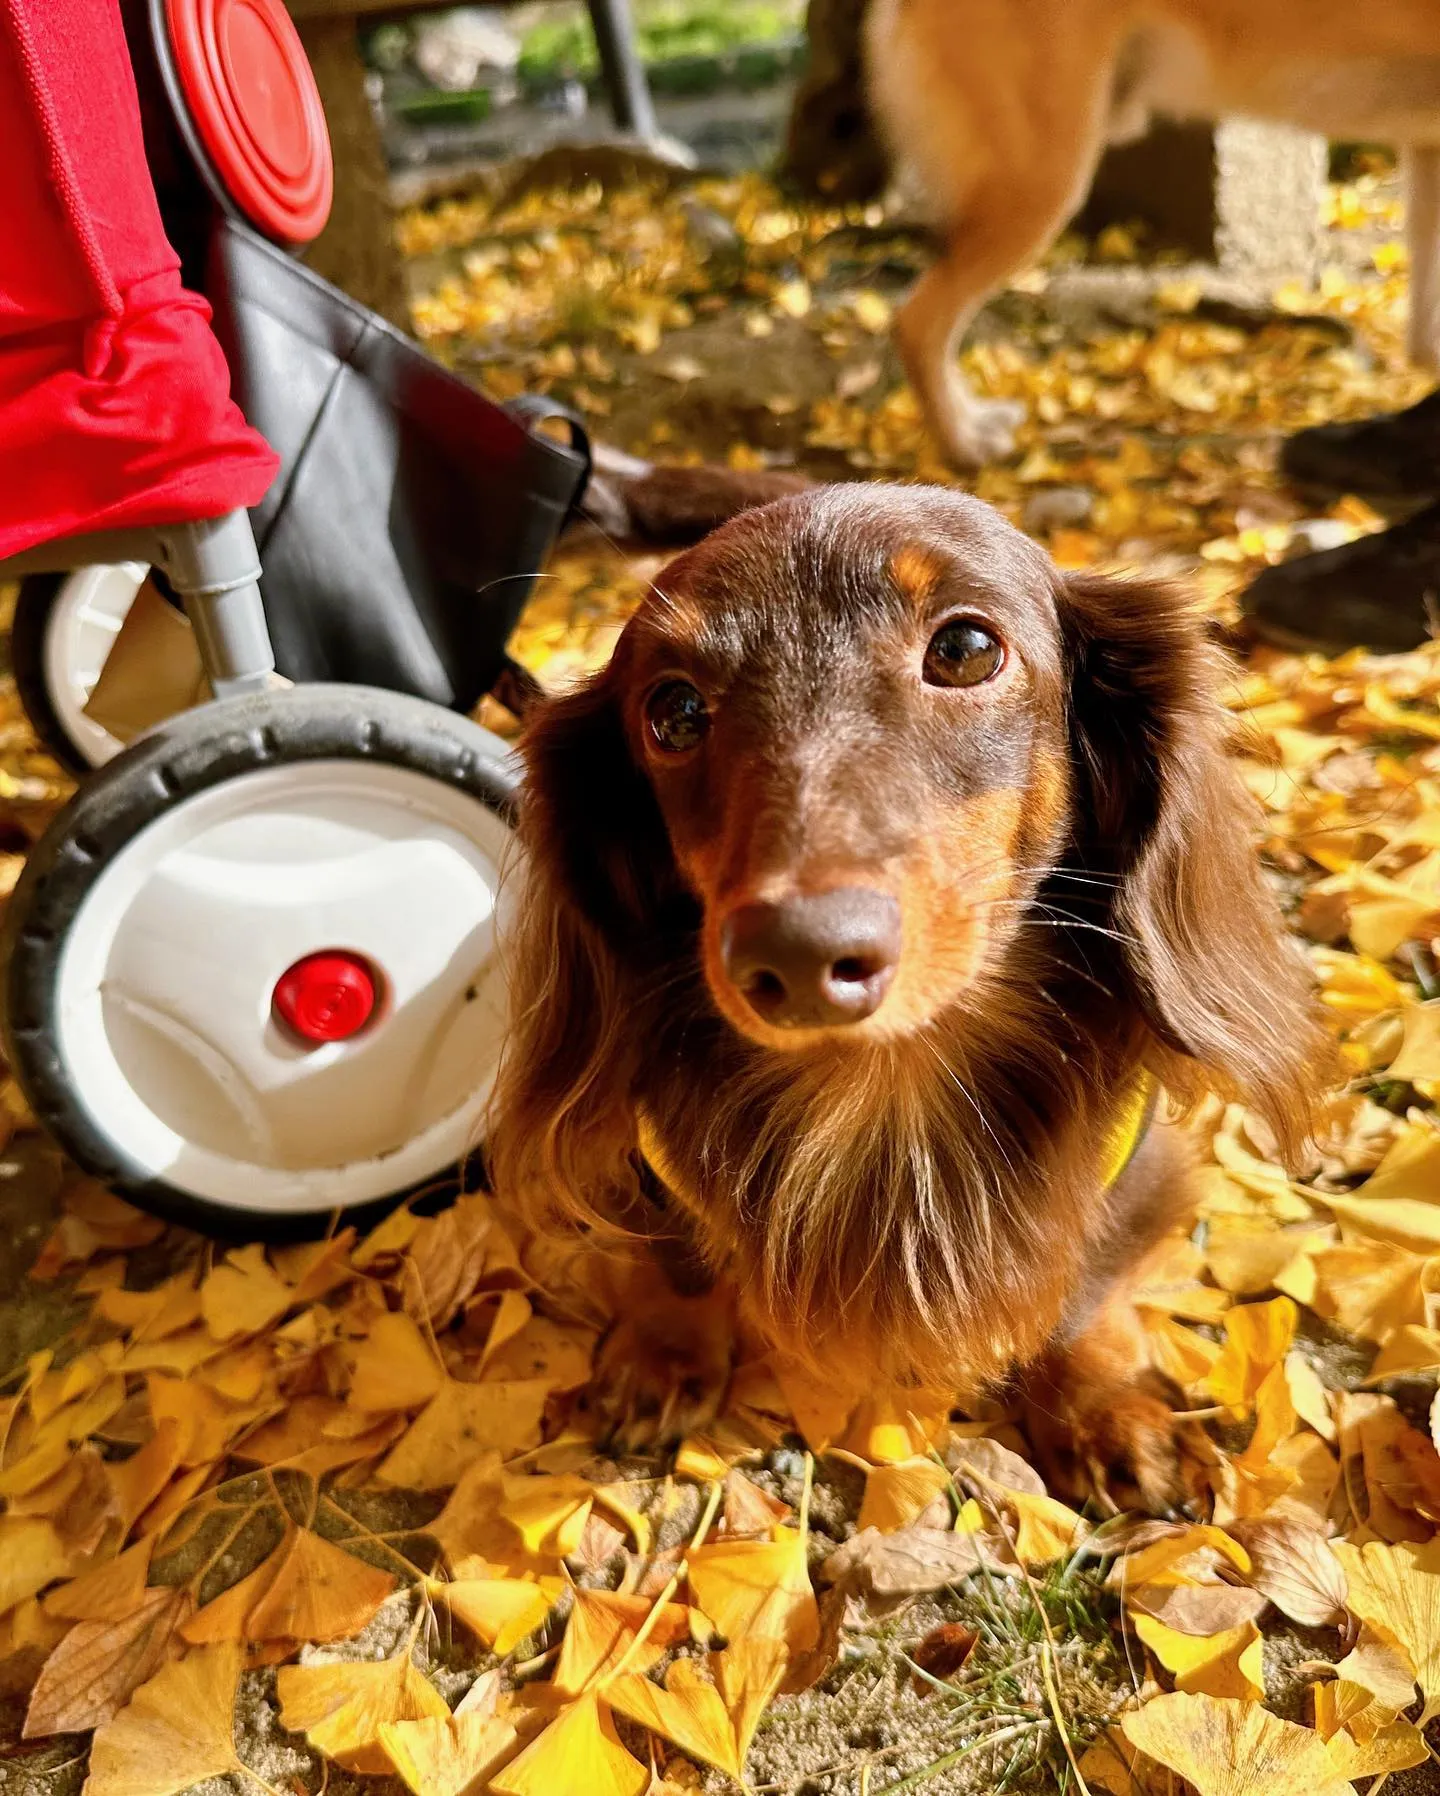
<point>1002,108</point>
<point>873,889</point>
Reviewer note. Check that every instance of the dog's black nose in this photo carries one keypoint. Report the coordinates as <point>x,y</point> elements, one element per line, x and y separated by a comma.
<point>814,961</point>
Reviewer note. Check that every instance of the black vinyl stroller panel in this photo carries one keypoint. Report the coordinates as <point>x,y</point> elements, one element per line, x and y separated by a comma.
<point>401,539</point>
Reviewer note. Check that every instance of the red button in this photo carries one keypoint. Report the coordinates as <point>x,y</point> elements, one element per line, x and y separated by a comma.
<point>252,96</point>
<point>326,997</point>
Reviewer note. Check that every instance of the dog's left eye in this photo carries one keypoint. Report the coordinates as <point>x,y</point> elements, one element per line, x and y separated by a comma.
<point>963,653</point>
<point>677,716</point>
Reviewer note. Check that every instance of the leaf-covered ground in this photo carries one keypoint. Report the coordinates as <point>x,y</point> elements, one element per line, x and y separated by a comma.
<point>329,1518</point>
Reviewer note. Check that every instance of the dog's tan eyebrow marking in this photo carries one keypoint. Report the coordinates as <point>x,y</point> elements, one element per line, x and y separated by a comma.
<point>916,570</point>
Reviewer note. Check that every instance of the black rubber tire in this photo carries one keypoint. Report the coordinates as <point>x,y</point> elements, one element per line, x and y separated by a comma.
<point>33,605</point>
<point>186,755</point>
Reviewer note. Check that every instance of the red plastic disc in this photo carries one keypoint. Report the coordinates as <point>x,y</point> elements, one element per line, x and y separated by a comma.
<point>326,997</point>
<point>252,96</point>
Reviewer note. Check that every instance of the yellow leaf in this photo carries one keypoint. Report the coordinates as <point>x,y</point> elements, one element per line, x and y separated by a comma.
<point>341,1708</point>
<point>579,1751</point>
<point>394,1366</point>
<point>1395,1747</point>
<point>1045,1530</point>
<point>602,1626</point>
<point>176,1730</point>
<point>688,1710</point>
<point>792,298</point>
<point>1227,1747</point>
<point>758,1587</point>
<point>449,1757</point>
<point>461,1422</point>
<point>1177,1351</point>
<point>1396,1591</point>
<point>243,1295</point>
<point>318,1592</point>
<point>105,1592</point>
<point>1257,1338</point>
<point>1225,1664</point>
<point>501,1611</point>
<point>1419,1056</point>
<point>747,1674</point>
<point>1308,1396</point>
<point>1407,1222</point>
<point>1409,1171</point>
<point>548,1512</point>
<point>895,1494</point>
<point>1412,1348</point>
<point>32,1555</point>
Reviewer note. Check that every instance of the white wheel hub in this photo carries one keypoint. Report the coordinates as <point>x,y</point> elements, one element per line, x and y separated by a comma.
<point>85,618</point>
<point>167,977</point>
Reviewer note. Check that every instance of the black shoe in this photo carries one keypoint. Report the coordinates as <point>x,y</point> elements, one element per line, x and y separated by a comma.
<point>1394,456</point>
<point>1379,592</point>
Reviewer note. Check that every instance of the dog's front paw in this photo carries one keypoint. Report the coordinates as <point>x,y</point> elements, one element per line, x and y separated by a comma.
<point>1122,1445</point>
<point>661,1372</point>
<point>984,431</point>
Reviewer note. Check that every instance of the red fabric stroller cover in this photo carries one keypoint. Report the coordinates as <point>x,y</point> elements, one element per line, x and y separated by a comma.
<point>115,404</point>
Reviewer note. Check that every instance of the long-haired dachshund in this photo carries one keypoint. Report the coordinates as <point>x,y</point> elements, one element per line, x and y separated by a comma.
<point>1002,109</point>
<point>875,888</point>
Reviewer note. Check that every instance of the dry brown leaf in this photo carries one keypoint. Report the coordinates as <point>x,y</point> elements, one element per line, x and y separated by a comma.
<point>1296,1568</point>
<point>749,1510</point>
<point>95,1669</point>
<point>176,1730</point>
<point>341,1708</point>
<point>914,1561</point>
<point>988,1461</point>
<point>943,1652</point>
<point>445,1257</point>
<point>1229,1747</point>
<point>1197,1608</point>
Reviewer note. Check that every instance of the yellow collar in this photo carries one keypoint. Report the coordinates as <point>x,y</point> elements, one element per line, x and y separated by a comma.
<point>1128,1130</point>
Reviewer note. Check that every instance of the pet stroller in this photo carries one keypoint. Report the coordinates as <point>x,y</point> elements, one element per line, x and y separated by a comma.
<point>249,971</point>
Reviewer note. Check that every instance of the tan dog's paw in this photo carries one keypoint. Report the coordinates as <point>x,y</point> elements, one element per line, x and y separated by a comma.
<point>1122,1444</point>
<point>662,1370</point>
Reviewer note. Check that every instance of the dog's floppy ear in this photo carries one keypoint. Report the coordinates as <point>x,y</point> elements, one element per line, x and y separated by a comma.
<point>588,896</point>
<point>1163,812</point>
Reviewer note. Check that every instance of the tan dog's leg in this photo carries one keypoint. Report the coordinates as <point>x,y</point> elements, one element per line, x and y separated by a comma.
<point>1422,229</point>
<point>1001,228</point>
<point>1103,1422</point>
<point>661,1371</point>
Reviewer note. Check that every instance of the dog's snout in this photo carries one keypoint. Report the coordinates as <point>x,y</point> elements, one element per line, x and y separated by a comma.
<point>816,960</point>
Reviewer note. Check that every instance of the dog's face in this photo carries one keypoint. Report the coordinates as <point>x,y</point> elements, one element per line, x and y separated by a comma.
<point>852,715</point>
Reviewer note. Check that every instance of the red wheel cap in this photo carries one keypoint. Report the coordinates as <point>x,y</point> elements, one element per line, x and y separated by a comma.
<point>326,997</point>
<point>251,94</point>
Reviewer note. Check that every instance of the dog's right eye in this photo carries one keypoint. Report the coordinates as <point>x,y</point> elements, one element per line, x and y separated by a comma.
<point>677,716</point>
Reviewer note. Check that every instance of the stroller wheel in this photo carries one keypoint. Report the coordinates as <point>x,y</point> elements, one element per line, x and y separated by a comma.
<point>251,974</point>
<point>64,627</point>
